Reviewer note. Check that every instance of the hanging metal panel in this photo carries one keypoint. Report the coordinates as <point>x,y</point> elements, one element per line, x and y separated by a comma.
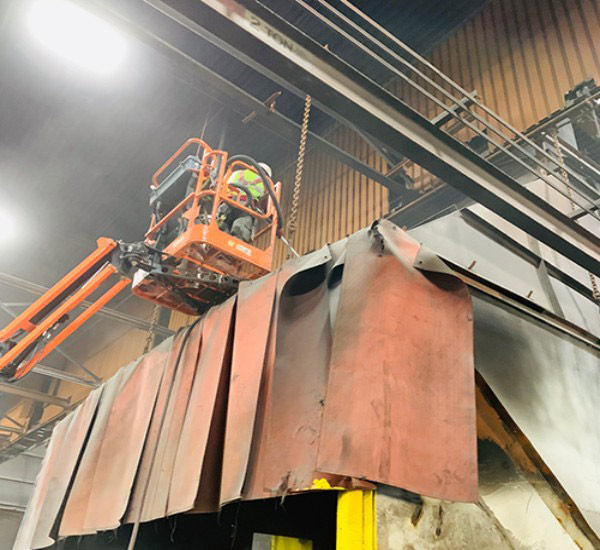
<point>303,345</point>
<point>264,445</point>
<point>156,464</point>
<point>254,312</point>
<point>37,527</point>
<point>400,405</point>
<point>124,438</point>
<point>208,498</point>
<point>194,437</point>
<point>78,502</point>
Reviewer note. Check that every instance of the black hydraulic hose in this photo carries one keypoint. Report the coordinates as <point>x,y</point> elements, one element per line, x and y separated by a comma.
<point>244,189</point>
<point>266,180</point>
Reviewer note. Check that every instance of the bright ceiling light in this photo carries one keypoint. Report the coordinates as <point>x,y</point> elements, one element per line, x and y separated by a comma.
<point>76,35</point>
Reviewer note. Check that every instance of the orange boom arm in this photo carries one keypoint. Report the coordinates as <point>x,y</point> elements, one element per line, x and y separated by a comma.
<point>189,260</point>
<point>44,324</point>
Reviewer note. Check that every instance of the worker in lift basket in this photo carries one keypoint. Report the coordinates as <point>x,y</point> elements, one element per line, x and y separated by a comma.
<point>234,221</point>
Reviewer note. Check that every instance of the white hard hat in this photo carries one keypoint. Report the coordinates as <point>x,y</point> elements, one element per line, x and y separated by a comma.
<point>266,168</point>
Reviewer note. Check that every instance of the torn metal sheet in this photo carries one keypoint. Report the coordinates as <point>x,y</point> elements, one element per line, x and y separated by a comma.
<point>33,514</point>
<point>123,440</point>
<point>153,450</point>
<point>254,312</point>
<point>78,501</point>
<point>400,406</point>
<point>157,491</point>
<point>191,450</point>
<point>75,433</point>
<point>209,488</point>
<point>262,452</point>
<point>60,460</point>
<point>303,345</point>
<point>254,486</point>
<point>351,364</point>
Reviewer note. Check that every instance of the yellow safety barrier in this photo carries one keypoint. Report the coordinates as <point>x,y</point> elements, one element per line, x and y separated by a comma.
<point>356,521</point>
<point>356,527</point>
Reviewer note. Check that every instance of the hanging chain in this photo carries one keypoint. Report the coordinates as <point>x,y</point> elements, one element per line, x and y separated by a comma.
<point>564,175</point>
<point>152,328</point>
<point>298,178</point>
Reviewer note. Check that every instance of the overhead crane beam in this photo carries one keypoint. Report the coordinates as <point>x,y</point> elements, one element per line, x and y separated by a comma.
<point>266,42</point>
<point>177,44</point>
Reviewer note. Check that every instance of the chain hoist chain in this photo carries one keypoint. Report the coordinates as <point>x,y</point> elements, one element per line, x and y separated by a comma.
<point>152,328</point>
<point>565,176</point>
<point>298,177</point>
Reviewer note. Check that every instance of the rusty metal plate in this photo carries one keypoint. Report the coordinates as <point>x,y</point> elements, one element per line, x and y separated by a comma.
<point>209,488</point>
<point>71,434</point>
<point>33,515</point>
<point>254,486</point>
<point>36,530</point>
<point>123,440</point>
<point>299,386</point>
<point>252,328</point>
<point>189,459</point>
<point>400,405</point>
<point>270,462</point>
<point>148,473</point>
<point>78,501</point>
<point>162,470</point>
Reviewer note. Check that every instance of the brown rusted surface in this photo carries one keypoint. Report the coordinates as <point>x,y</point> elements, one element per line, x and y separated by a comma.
<point>254,312</point>
<point>78,502</point>
<point>254,486</point>
<point>400,401</point>
<point>75,433</point>
<point>209,488</point>
<point>303,345</point>
<point>260,470</point>
<point>347,364</point>
<point>36,529</point>
<point>28,528</point>
<point>192,445</point>
<point>156,465</point>
<point>123,440</point>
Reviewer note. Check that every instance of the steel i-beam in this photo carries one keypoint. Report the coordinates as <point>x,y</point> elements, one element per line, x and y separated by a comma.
<point>177,45</point>
<point>264,41</point>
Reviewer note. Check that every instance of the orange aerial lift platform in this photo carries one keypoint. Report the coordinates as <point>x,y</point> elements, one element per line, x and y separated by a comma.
<point>188,261</point>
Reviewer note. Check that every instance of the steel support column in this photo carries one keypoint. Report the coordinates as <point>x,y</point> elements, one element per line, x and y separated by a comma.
<point>263,40</point>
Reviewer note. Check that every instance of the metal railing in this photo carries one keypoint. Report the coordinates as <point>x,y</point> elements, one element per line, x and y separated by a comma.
<point>410,67</point>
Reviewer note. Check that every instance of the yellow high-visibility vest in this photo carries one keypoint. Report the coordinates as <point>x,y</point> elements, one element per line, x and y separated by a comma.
<point>251,180</point>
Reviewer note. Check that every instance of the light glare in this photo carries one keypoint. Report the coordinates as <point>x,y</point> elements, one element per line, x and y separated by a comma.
<point>76,35</point>
<point>8,228</point>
